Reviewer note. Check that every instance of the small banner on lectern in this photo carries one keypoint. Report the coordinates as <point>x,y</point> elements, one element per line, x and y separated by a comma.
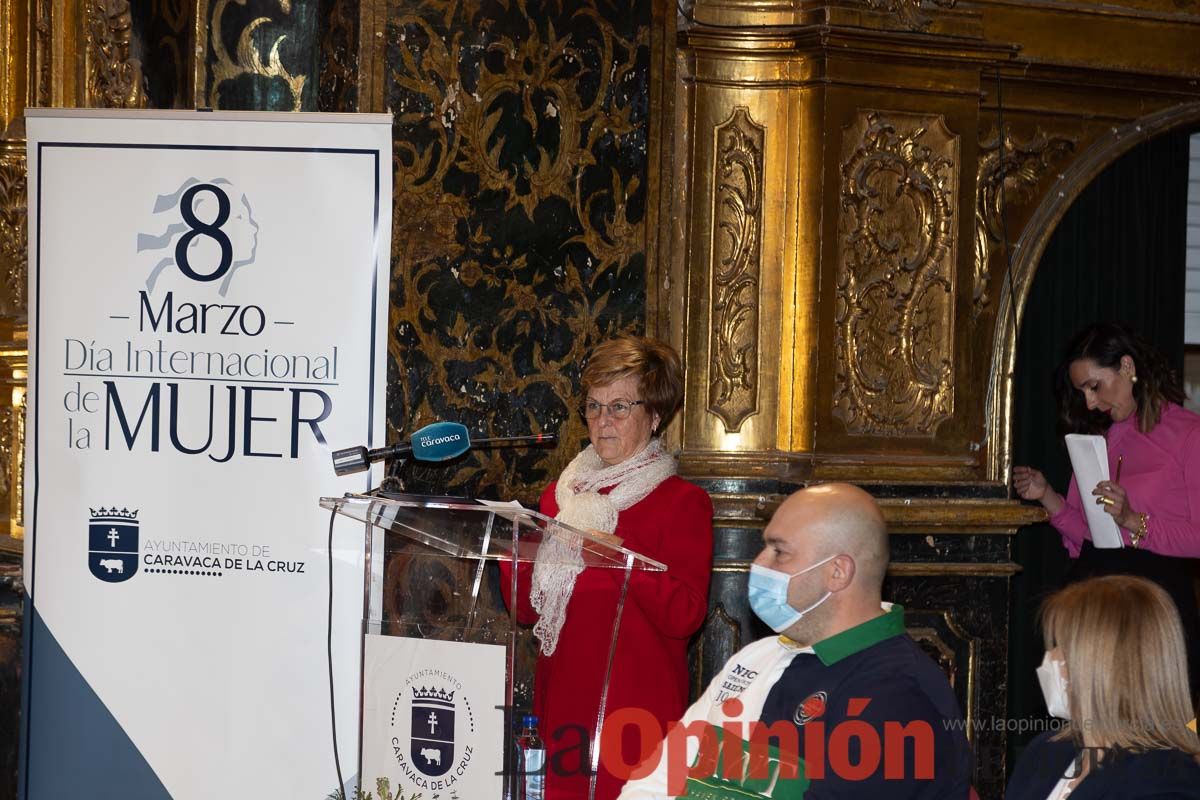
<point>433,718</point>
<point>207,317</point>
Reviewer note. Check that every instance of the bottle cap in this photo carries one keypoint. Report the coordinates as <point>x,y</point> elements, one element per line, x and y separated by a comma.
<point>530,721</point>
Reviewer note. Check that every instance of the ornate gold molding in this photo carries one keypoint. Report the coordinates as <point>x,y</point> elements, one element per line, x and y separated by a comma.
<point>1007,175</point>
<point>17,471</point>
<point>7,451</point>
<point>953,628</point>
<point>942,652</point>
<point>13,231</point>
<point>910,11</point>
<point>42,52</point>
<point>1005,569</point>
<point>895,275</point>
<point>14,369</point>
<point>114,75</point>
<point>918,516</point>
<point>737,264</point>
<point>14,65</point>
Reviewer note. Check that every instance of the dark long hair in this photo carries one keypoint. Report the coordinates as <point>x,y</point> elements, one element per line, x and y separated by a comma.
<point>1106,343</point>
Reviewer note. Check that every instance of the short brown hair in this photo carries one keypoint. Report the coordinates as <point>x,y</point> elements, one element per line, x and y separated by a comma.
<point>654,363</point>
<point>1127,670</point>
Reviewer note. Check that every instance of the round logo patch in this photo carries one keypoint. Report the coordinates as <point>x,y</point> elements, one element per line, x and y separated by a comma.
<point>812,707</point>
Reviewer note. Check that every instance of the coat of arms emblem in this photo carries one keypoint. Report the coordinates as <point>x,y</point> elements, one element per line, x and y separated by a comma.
<point>113,544</point>
<point>432,731</point>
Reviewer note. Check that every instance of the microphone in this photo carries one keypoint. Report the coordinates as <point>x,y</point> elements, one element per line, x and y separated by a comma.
<point>438,441</point>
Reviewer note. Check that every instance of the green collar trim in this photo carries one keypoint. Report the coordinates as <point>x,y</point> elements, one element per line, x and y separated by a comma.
<point>860,637</point>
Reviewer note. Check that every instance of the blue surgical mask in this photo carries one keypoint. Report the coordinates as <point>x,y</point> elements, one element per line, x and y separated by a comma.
<point>768,596</point>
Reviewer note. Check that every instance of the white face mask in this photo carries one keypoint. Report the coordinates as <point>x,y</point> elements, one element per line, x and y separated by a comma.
<point>1054,687</point>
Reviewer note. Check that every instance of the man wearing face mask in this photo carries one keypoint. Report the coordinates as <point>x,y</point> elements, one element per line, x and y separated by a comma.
<point>842,673</point>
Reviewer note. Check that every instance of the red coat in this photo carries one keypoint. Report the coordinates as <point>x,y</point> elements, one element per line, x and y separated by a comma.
<point>673,525</point>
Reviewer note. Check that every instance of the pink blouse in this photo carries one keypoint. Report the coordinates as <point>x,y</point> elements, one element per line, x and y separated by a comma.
<point>1160,474</point>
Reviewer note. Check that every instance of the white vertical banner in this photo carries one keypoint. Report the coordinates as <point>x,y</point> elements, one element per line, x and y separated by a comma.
<point>207,318</point>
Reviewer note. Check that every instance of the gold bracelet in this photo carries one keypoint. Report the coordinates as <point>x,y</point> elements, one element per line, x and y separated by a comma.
<point>1135,537</point>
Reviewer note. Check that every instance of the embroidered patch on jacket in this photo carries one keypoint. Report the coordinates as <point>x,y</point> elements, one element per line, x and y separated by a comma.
<point>812,707</point>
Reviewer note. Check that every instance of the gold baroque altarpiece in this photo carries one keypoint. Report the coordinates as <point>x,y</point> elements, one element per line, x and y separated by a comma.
<point>799,330</point>
<point>889,208</point>
<point>827,241</point>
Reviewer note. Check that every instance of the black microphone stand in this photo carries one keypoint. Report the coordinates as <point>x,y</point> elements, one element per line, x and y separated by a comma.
<point>393,482</point>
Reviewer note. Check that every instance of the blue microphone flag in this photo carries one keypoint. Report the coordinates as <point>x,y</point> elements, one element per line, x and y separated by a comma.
<point>440,441</point>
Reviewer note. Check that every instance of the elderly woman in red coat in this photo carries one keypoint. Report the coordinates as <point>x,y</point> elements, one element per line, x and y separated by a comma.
<point>623,484</point>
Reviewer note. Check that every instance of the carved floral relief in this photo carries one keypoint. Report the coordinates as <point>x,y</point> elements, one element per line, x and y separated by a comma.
<point>13,233</point>
<point>1009,174</point>
<point>895,275</point>
<point>114,73</point>
<point>737,256</point>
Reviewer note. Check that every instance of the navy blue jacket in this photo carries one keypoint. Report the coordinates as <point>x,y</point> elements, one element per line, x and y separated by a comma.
<point>875,674</point>
<point>1156,775</point>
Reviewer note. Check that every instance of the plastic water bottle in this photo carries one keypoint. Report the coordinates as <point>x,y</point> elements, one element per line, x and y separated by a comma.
<point>533,759</point>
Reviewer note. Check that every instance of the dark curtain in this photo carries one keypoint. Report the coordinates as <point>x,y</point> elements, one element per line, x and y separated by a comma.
<point>1117,255</point>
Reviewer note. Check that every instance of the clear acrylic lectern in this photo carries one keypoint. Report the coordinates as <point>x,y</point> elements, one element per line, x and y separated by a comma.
<point>440,649</point>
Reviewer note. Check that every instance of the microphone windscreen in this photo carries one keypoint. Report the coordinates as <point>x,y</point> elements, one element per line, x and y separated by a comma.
<point>440,441</point>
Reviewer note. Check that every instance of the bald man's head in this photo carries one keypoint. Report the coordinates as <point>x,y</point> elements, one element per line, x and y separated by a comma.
<point>835,518</point>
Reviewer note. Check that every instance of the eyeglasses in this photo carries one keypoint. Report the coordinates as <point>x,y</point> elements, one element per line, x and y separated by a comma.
<point>617,409</point>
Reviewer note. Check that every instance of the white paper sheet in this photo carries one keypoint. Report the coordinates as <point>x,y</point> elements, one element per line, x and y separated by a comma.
<point>509,509</point>
<point>1089,460</point>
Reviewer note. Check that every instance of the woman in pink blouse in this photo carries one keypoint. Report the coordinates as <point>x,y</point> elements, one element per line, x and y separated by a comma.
<point>1112,382</point>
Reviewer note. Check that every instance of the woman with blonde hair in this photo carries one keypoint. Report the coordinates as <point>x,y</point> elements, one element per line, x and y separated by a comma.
<point>1116,671</point>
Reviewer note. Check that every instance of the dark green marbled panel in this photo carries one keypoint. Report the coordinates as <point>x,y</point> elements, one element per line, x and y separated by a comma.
<point>262,55</point>
<point>163,33</point>
<point>519,226</point>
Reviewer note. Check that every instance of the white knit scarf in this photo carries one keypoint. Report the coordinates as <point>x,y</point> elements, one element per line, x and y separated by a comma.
<point>559,559</point>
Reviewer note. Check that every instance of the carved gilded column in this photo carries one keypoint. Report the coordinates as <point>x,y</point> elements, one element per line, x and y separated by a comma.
<point>14,365</point>
<point>24,29</point>
<point>831,212</point>
<point>13,230</point>
<point>13,338</point>
<point>745,300</point>
<point>25,33</point>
